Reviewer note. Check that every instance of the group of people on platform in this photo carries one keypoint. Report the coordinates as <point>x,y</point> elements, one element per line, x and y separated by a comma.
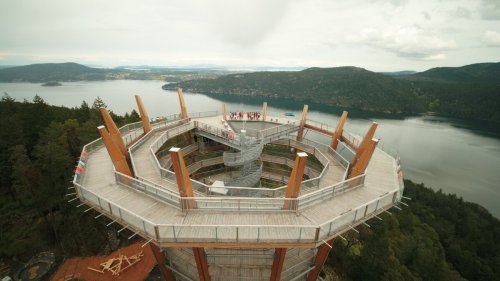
<point>240,115</point>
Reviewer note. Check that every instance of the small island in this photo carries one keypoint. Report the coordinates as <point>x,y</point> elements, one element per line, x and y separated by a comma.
<point>51,84</point>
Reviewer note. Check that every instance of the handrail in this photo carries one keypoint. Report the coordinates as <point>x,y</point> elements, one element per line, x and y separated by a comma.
<point>202,114</point>
<point>320,125</point>
<point>299,233</point>
<point>217,233</point>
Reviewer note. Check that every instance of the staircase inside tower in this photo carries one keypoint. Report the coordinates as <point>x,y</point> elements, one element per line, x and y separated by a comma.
<point>248,159</point>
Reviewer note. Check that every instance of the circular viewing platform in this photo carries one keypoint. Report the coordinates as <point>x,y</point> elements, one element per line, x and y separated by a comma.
<point>227,179</point>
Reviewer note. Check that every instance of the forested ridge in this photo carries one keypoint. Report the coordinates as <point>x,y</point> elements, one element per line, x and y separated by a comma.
<point>471,91</point>
<point>39,149</point>
<point>437,237</point>
<point>70,71</point>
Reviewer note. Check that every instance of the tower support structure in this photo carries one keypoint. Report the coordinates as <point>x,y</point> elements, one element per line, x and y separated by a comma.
<point>264,111</point>
<point>117,157</point>
<point>303,118</point>
<point>144,115</point>
<point>182,104</point>
<point>362,159</point>
<point>116,137</point>
<point>337,135</point>
<point>182,177</point>
<point>279,259</point>
<point>293,187</point>
<point>320,259</point>
<point>162,260</point>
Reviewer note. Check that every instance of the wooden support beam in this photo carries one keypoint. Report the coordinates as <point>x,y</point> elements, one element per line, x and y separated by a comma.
<point>361,161</point>
<point>182,177</point>
<point>367,139</point>
<point>201,263</point>
<point>162,260</point>
<point>279,258</point>
<point>224,111</point>
<point>117,157</point>
<point>293,187</point>
<point>264,111</point>
<point>182,104</point>
<point>337,135</point>
<point>116,137</point>
<point>303,118</point>
<point>320,259</point>
<point>144,115</point>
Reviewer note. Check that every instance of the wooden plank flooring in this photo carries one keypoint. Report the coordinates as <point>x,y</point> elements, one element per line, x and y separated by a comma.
<point>99,178</point>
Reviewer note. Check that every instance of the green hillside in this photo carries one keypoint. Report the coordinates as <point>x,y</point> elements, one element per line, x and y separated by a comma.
<point>70,71</point>
<point>471,91</point>
<point>51,72</point>
<point>350,87</point>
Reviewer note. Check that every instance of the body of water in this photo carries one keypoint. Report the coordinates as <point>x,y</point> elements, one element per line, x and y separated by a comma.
<point>457,156</point>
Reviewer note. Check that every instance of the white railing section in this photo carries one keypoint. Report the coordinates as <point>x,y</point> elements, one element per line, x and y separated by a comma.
<point>321,125</point>
<point>238,233</point>
<point>202,114</point>
<point>352,139</point>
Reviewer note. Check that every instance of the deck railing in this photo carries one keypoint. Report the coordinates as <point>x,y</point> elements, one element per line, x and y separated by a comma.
<point>175,233</point>
<point>320,125</point>
<point>202,114</point>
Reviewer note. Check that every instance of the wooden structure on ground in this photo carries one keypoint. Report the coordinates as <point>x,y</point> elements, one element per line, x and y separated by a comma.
<point>116,267</point>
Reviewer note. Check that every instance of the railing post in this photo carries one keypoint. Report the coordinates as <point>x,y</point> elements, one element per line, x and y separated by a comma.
<point>316,236</point>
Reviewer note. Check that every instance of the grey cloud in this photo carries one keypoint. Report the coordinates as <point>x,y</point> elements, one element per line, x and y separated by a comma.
<point>461,12</point>
<point>491,39</point>
<point>247,23</point>
<point>490,9</point>
<point>410,42</point>
<point>426,15</point>
<point>396,3</point>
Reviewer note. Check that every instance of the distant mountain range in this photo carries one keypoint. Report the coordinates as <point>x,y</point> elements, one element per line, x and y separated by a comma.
<point>471,91</point>
<point>70,71</point>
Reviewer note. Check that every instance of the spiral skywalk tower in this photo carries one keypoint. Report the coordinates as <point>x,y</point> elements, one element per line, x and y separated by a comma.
<point>134,177</point>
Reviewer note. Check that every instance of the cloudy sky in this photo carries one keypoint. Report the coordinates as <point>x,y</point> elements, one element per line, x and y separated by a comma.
<point>380,35</point>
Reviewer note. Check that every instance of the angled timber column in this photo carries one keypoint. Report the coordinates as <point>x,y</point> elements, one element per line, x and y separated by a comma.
<point>182,177</point>
<point>201,263</point>
<point>279,258</point>
<point>116,137</point>
<point>224,111</point>
<point>367,139</point>
<point>300,133</point>
<point>117,157</point>
<point>182,104</point>
<point>293,188</point>
<point>144,115</point>
<point>320,259</point>
<point>337,135</point>
<point>361,161</point>
<point>161,259</point>
<point>264,111</point>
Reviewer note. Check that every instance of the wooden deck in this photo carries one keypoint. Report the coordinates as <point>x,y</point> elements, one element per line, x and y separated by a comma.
<point>171,226</point>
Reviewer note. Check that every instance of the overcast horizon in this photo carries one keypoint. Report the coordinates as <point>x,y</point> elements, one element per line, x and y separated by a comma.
<point>379,35</point>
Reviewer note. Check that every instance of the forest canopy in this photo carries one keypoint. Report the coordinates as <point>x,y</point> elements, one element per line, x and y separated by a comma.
<point>437,237</point>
